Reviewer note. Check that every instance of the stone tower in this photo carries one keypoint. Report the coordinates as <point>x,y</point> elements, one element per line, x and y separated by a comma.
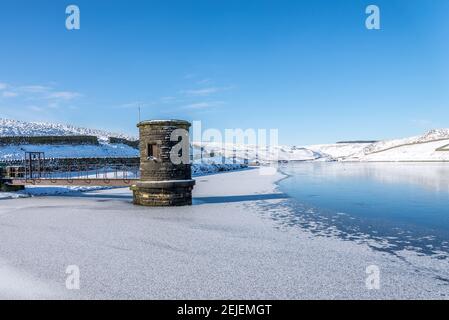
<point>165,180</point>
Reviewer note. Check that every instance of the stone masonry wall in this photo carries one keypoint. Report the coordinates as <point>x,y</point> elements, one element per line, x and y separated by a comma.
<point>91,140</point>
<point>162,168</point>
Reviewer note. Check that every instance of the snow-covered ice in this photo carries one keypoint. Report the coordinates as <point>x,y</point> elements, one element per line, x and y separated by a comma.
<point>224,246</point>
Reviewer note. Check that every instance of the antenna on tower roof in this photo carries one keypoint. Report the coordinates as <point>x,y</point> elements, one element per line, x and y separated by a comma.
<point>139,113</point>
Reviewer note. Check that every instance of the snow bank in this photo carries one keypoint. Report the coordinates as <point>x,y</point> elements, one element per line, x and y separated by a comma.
<point>12,195</point>
<point>199,169</point>
<point>47,191</point>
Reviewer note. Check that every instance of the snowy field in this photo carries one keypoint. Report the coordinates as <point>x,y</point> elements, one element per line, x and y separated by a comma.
<point>227,245</point>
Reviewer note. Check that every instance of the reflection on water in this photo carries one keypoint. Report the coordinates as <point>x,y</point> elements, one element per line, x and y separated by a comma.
<point>406,204</point>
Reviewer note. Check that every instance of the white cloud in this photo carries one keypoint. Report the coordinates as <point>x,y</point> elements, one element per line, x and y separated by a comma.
<point>38,97</point>
<point>200,92</point>
<point>203,105</point>
<point>35,108</point>
<point>35,89</point>
<point>53,105</point>
<point>9,94</point>
<point>134,104</point>
<point>204,91</point>
<point>204,81</point>
<point>63,95</point>
<point>3,86</point>
<point>168,99</point>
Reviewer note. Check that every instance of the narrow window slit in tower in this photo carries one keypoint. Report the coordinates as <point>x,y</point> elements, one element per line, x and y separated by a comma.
<point>153,151</point>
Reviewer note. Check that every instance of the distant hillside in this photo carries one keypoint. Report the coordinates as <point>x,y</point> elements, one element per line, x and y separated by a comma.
<point>13,128</point>
<point>431,146</point>
<point>338,151</point>
<point>432,135</point>
<point>357,141</point>
<point>253,154</point>
<point>102,148</point>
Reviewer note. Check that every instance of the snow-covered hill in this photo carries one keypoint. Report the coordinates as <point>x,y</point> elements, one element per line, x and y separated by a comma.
<point>425,151</point>
<point>431,146</point>
<point>338,151</point>
<point>21,128</point>
<point>255,153</point>
<point>432,135</point>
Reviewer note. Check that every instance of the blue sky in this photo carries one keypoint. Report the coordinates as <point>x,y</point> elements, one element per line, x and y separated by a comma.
<point>309,68</point>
